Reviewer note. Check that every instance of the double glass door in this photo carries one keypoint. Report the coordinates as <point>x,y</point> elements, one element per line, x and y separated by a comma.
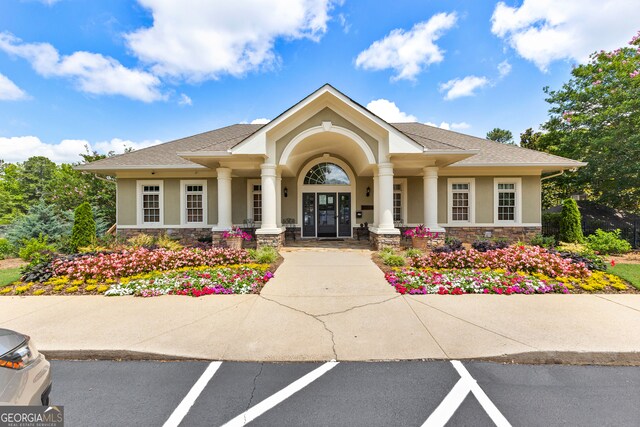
<point>326,214</point>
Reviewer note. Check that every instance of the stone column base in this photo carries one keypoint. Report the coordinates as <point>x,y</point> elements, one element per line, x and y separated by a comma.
<point>275,240</point>
<point>380,241</point>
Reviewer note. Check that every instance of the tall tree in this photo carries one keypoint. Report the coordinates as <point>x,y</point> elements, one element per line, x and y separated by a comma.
<point>595,117</point>
<point>500,135</point>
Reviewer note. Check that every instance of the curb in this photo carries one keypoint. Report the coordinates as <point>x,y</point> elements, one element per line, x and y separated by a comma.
<point>529,358</point>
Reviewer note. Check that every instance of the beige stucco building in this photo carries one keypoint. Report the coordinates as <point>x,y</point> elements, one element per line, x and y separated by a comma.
<point>328,165</point>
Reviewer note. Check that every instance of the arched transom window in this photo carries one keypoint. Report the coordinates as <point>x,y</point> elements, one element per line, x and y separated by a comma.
<point>326,174</point>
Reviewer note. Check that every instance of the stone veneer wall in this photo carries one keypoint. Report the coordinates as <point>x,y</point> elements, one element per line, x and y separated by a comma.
<point>512,234</point>
<point>273,240</point>
<point>380,241</point>
<point>185,235</point>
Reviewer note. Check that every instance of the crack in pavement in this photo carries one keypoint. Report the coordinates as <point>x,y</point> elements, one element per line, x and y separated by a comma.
<point>616,302</point>
<point>255,379</point>
<point>323,322</point>
<point>471,323</point>
<point>324,325</point>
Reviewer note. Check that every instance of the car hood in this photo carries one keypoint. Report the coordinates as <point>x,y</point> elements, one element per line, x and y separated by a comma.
<point>10,340</point>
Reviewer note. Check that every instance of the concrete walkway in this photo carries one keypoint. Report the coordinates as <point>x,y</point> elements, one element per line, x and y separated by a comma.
<point>327,304</point>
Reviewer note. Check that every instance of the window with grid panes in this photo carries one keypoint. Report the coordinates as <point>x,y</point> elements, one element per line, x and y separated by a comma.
<point>460,201</point>
<point>151,203</point>
<point>195,203</point>
<point>397,202</point>
<point>257,202</point>
<point>506,201</point>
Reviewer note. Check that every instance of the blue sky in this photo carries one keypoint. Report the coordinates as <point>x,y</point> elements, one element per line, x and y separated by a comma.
<point>136,72</point>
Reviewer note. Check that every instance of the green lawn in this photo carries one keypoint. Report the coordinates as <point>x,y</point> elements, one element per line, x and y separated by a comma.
<point>629,272</point>
<point>9,275</point>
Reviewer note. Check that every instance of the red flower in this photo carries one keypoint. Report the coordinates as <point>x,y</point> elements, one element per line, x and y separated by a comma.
<point>613,263</point>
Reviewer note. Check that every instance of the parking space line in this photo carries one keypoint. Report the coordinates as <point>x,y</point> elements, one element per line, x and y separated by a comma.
<point>183,408</point>
<point>277,398</point>
<point>456,396</point>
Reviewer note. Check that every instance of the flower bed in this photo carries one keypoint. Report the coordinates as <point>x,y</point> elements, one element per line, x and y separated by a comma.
<point>148,272</point>
<point>142,260</point>
<point>471,281</point>
<point>236,279</point>
<point>498,281</point>
<point>530,259</point>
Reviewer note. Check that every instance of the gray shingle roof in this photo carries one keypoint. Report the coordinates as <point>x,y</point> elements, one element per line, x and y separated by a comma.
<point>432,138</point>
<point>164,155</point>
<point>491,152</point>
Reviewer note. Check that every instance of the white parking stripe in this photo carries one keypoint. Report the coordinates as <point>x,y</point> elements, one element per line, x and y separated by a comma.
<point>183,408</point>
<point>482,397</point>
<point>275,399</point>
<point>456,396</point>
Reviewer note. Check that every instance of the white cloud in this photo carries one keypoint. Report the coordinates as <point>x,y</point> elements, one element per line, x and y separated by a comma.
<point>20,148</point>
<point>92,73</point>
<point>118,145</point>
<point>448,126</point>
<point>389,111</point>
<point>199,40</point>
<point>408,52</point>
<point>9,91</point>
<point>260,121</point>
<point>460,126</point>
<point>543,31</point>
<point>504,68</point>
<point>342,20</point>
<point>457,88</point>
<point>184,100</point>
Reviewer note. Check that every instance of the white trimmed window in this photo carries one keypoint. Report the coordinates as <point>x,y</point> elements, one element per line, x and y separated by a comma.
<point>399,200</point>
<point>193,202</point>
<point>461,198</point>
<point>254,203</point>
<point>507,200</point>
<point>150,203</point>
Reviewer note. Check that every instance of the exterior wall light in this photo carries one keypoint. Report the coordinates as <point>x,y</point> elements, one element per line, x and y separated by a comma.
<point>286,192</point>
<point>368,191</point>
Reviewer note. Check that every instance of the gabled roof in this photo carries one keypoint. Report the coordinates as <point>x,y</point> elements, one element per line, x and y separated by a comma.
<point>228,139</point>
<point>165,155</point>
<point>490,153</point>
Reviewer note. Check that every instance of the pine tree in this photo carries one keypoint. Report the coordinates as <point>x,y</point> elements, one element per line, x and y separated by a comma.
<point>84,227</point>
<point>570,223</point>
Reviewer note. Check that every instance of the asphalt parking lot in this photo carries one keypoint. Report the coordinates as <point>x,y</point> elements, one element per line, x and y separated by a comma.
<point>108,393</point>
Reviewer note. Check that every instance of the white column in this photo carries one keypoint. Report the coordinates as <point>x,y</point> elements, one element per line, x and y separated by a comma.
<point>376,197</point>
<point>385,202</point>
<point>224,199</point>
<point>279,199</point>
<point>269,200</point>
<point>430,184</point>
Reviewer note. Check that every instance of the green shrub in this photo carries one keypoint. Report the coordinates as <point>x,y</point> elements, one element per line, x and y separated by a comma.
<point>391,258</point>
<point>264,255</point>
<point>571,223</point>
<point>84,227</point>
<point>386,250</point>
<point>167,242</point>
<point>6,248</point>
<point>413,253</point>
<point>36,251</point>
<point>394,260</point>
<point>141,240</point>
<point>41,219</point>
<point>543,241</point>
<point>606,243</point>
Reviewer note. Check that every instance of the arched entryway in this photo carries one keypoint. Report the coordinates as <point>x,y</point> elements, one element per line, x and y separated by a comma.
<point>326,189</point>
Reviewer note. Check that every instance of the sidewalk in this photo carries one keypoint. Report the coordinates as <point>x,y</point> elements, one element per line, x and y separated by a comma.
<point>325,305</point>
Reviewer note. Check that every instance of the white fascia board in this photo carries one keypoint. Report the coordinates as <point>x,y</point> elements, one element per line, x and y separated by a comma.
<point>187,154</point>
<point>528,164</point>
<point>141,167</point>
